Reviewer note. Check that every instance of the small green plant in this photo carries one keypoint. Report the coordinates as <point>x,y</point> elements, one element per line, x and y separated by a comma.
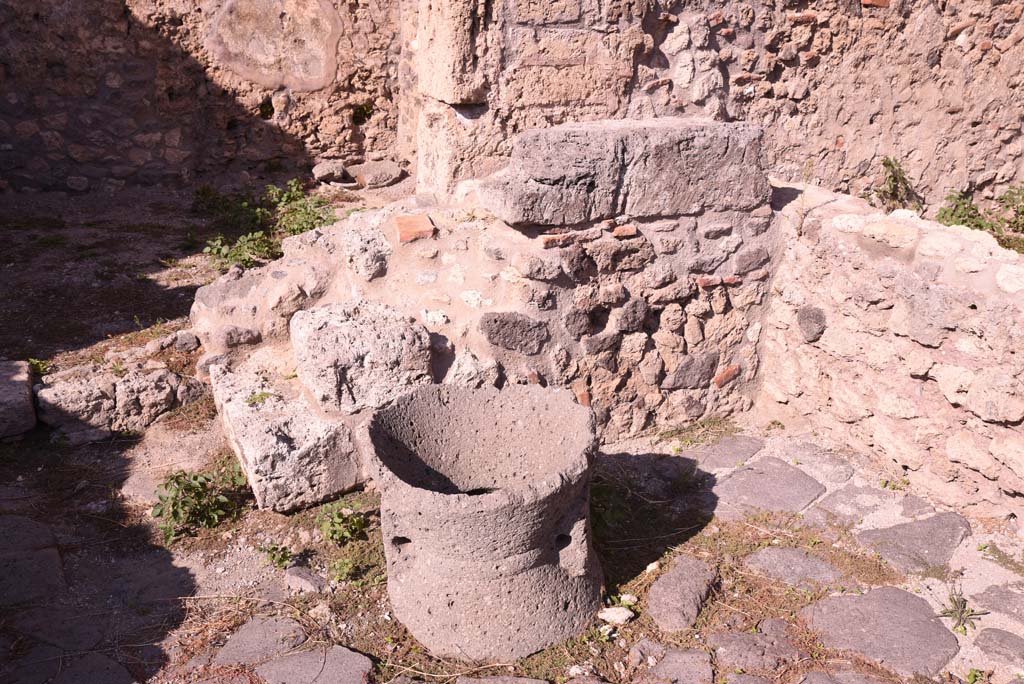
<point>898,485</point>
<point>960,210</point>
<point>957,610</point>
<point>39,367</point>
<point>343,569</point>
<point>277,555</point>
<point>896,191</point>
<point>342,525</point>
<point>257,398</point>
<point>1005,220</point>
<point>260,224</point>
<point>362,113</point>
<point>188,501</point>
<point>119,369</point>
<point>976,676</point>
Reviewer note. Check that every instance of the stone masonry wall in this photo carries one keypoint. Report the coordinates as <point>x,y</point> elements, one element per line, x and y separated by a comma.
<point>907,337</point>
<point>102,93</point>
<point>837,85</point>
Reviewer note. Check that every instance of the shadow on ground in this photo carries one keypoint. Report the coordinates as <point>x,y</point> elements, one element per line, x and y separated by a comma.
<point>643,505</point>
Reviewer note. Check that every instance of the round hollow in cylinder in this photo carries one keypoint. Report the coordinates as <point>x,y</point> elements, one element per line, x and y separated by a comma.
<point>485,516</point>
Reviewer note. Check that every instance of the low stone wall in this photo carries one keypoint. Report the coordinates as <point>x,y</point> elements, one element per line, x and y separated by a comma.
<point>650,312</point>
<point>905,336</point>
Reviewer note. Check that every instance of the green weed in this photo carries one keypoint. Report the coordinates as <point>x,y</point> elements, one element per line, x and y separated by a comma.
<point>896,191</point>
<point>342,525</point>
<point>189,501</point>
<point>277,555</point>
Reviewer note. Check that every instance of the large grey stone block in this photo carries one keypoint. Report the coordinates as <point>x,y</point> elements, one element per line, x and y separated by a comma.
<point>582,172</point>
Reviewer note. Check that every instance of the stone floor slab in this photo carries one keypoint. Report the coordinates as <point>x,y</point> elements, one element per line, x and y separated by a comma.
<point>920,545</point>
<point>1007,600</point>
<point>794,566</point>
<point>818,462</point>
<point>690,666</point>
<point>725,454</point>
<point>848,505</point>
<point>767,651</point>
<point>675,598</point>
<point>766,485</point>
<point>18,533</point>
<point>30,576</point>
<point>1002,645</point>
<point>260,639</point>
<point>337,665</point>
<point>93,669</point>
<point>889,626</point>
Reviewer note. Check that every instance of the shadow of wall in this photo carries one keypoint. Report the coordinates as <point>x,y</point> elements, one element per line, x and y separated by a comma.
<point>100,94</point>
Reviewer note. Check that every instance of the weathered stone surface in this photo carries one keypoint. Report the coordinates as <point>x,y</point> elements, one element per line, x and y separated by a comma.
<point>331,171</point>
<point>694,371</point>
<point>727,453</point>
<point>302,580</point>
<point>359,355</point>
<point>848,505</point>
<point>769,650</point>
<point>1001,645</point>
<point>498,680</point>
<point>30,575</point>
<point>376,174</point>
<point>839,675</point>
<point>890,626</point>
<point>79,402</point>
<point>292,456</point>
<point>366,249</point>
<point>94,667</point>
<point>766,485</point>
<point>298,41</point>
<point>1008,600</point>
<point>486,517</point>
<point>812,323</point>
<point>514,331</point>
<point>675,598</point>
<point>581,172</point>
<point>469,370</point>
<point>690,666</point>
<point>23,534</point>
<point>61,626</point>
<point>17,414</point>
<point>793,566</point>
<point>336,665</point>
<point>919,545</point>
<point>260,639</point>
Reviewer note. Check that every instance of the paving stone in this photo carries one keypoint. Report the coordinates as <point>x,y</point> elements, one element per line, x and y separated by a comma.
<point>676,597</point>
<point>889,626</point>
<point>260,639</point>
<point>919,545</point>
<point>848,505</point>
<point>30,576</point>
<point>500,680</point>
<point>24,534</point>
<point>645,652</point>
<point>1002,645</point>
<point>335,666</point>
<point>840,675</point>
<point>690,666</point>
<point>767,485</point>
<point>916,507</point>
<point>62,626</point>
<point>36,662</point>
<point>818,462</point>
<point>727,453</point>
<point>1007,600</point>
<point>743,678</point>
<point>768,650</point>
<point>93,669</point>
<point>794,566</point>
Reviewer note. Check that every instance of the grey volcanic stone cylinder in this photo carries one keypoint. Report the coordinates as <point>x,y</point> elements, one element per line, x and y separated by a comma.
<point>485,515</point>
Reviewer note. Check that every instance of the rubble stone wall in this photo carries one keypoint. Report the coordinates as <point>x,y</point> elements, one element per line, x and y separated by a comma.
<point>906,337</point>
<point>837,85</point>
<point>102,93</point>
